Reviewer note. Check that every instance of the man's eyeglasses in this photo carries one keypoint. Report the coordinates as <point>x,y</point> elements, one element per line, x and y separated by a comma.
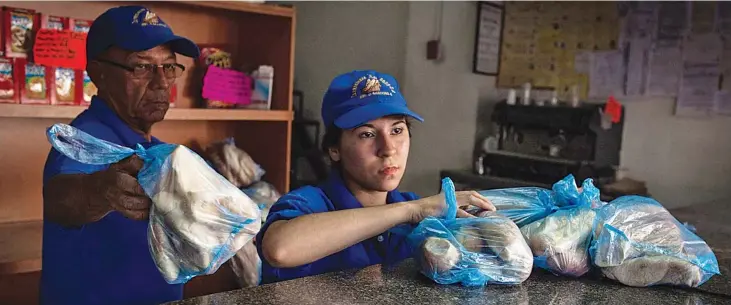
<point>149,70</point>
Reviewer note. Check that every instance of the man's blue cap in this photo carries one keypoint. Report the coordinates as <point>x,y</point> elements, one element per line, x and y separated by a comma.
<point>134,28</point>
<point>360,96</point>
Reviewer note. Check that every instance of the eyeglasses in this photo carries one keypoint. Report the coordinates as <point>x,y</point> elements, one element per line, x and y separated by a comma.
<point>148,70</point>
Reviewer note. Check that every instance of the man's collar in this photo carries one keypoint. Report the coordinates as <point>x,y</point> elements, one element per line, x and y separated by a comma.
<point>109,117</point>
<point>335,189</point>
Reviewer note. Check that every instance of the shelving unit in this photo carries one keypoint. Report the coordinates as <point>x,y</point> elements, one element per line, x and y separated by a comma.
<point>255,34</point>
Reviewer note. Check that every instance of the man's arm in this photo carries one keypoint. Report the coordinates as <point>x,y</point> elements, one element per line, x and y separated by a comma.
<point>69,200</point>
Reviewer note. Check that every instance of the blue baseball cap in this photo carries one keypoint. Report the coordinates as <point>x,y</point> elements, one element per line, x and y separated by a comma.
<point>360,96</point>
<point>134,28</point>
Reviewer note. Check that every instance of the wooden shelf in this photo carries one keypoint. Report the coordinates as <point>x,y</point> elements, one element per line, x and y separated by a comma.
<point>20,247</point>
<point>174,114</point>
<point>256,8</point>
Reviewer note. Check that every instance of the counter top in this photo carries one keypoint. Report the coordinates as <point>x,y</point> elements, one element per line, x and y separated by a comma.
<point>403,284</point>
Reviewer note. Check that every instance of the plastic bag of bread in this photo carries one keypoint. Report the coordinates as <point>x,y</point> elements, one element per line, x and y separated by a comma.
<point>470,251</point>
<point>198,220</point>
<point>639,243</point>
<point>562,219</point>
<point>234,163</point>
<point>264,194</point>
<point>246,265</point>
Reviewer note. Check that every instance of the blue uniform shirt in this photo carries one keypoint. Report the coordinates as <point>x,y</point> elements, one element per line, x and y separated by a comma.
<point>108,261</point>
<point>332,195</point>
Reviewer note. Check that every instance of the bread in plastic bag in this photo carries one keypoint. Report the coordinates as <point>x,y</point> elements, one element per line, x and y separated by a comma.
<point>264,195</point>
<point>234,163</point>
<point>556,223</point>
<point>639,243</point>
<point>246,265</point>
<point>470,251</point>
<point>198,219</point>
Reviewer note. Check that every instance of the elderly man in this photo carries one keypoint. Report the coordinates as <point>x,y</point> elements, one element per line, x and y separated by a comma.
<point>95,217</point>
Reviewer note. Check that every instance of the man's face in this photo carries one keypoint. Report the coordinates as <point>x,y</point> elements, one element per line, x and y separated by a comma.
<point>140,101</point>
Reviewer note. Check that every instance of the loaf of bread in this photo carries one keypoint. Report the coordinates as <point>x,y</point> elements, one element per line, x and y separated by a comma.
<point>198,219</point>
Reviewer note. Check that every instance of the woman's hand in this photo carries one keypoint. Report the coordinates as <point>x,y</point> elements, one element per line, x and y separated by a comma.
<point>436,205</point>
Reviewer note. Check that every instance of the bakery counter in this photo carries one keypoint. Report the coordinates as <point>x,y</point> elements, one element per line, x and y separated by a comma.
<point>403,284</point>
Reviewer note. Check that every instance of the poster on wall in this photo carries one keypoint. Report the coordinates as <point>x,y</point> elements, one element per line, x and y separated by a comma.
<point>488,39</point>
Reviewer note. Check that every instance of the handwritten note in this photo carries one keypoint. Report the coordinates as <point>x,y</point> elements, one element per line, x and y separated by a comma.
<point>64,49</point>
<point>227,86</point>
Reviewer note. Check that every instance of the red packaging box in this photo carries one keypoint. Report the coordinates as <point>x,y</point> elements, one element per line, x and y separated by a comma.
<point>18,27</point>
<point>63,85</point>
<point>8,82</point>
<point>34,81</point>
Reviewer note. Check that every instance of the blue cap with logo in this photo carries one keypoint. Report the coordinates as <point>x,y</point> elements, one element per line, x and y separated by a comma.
<point>134,28</point>
<point>360,96</point>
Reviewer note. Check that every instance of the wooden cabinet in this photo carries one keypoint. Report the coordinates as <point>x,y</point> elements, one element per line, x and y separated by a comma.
<point>255,34</point>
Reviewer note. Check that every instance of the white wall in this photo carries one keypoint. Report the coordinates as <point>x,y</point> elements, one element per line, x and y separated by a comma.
<point>684,161</point>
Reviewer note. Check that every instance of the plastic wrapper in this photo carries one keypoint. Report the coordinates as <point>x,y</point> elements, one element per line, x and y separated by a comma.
<point>198,219</point>
<point>639,243</point>
<point>470,251</point>
<point>246,265</point>
<point>264,195</point>
<point>234,163</point>
<point>556,224</point>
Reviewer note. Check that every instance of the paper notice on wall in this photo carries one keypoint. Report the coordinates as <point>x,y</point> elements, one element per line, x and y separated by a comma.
<point>672,23</point>
<point>703,16</point>
<point>722,102</point>
<point>665,68</point>
<point>698,87</point>
<point>582,62</point>
<point>637,65</point>
<point>703,48</point>
<point>607,74</point>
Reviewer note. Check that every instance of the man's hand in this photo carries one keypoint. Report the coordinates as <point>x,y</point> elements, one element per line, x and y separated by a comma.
<point>436,205</point>
<point>120,191</point>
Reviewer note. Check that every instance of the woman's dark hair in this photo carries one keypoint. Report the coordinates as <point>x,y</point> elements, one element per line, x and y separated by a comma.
<point>333,133</point>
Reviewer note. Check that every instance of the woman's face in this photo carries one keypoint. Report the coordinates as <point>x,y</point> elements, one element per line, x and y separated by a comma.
<point>374,155</point>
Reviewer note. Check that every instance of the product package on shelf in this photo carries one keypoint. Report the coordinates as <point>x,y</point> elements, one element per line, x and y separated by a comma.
<point>34,82</point>
<point>8,82</point>
<point>472,251</point>
<point>63,87</point>
<point>18,27</point>
<point>198,220</point>
<point>85,88</point>
<point>222,86</point>
<point>261,96</point>
<point>639,243</point>
<point>173,94</point>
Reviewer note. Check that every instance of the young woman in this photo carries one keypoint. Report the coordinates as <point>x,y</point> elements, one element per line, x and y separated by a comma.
<point>345,222</point>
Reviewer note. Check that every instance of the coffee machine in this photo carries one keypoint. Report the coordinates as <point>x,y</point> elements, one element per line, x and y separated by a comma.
<point>542,144</point>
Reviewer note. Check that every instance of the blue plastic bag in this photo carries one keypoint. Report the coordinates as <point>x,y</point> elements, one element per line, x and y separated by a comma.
<point>198,219</point>
<point>470,251</point>
<point>556,223</point>
<point>639,243</point>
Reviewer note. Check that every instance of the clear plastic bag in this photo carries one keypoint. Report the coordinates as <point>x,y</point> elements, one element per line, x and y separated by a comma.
<point>639,243</point>
<point>246,265</point>
<point>264,195</point>
<point>198,219</point>
<point>470,251</point>
<point>556,224</point>
<point>234,163</point>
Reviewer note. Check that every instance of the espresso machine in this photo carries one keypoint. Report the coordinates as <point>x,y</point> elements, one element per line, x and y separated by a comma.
<point>541,144</point>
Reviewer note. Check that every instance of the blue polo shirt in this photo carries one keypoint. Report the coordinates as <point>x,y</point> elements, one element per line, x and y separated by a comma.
<point>108,261</point>
<point>332,195</point>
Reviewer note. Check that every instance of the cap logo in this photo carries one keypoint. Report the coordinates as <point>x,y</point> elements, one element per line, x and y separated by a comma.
<point>371,87</point>
<point>148,18</point>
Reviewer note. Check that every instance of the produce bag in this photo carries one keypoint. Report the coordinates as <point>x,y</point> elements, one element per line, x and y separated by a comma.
<point>246,265</point>
<point>234,163</point>
<point>198,219</point>
<point>556,224</point>
<point>639,243</point>
<point>264,194</point>
<point>470,251</point>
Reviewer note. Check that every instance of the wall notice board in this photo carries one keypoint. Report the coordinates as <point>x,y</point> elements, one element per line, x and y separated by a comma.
<point>541,41</point>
